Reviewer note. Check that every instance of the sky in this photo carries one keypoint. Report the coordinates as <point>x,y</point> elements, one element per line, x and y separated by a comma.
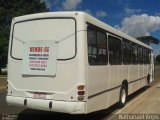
<point>135,17</point>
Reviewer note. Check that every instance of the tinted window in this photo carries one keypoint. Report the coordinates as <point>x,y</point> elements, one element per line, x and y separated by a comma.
<point>148,55</point>
<point>126,52</point>
<point>145,57</point>
<point>97,47</point>
<point>134,54</point>
<point>24,32</point>
<point>115,54</point>
<point>140,55</point>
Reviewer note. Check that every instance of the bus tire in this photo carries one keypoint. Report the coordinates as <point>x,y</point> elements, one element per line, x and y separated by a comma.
<point>122,96</point>
<point>147,81</point>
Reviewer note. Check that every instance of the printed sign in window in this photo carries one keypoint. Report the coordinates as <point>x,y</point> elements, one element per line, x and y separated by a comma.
<point>40,58</point>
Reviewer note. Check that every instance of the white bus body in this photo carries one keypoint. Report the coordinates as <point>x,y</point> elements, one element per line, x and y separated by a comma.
<point>53,67</point>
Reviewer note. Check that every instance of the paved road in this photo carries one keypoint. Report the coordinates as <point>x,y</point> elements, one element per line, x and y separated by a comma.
<point>146,103</point>
<point>141,102</point>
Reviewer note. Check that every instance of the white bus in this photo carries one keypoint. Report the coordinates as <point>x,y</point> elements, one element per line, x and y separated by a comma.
<point>71,62</point>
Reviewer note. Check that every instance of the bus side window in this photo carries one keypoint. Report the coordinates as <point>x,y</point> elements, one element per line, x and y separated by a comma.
<point>140,54</point>
<point>97,47</point>
<point>102,48</point>
<point>115,51</point>
<point>148,56</point>
<point>92,50</point>
<point>128,52</point>
<point>126,48</point>
<point>134,54</point>
<point>144,55</point>
<point>124,58</point>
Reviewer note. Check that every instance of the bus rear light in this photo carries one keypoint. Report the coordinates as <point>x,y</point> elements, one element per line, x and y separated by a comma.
<point>80,98</point>
<point>80,87</point>
<point>81,92</point>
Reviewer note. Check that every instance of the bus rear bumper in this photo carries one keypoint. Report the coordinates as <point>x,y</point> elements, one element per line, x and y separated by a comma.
<point>48,105</point>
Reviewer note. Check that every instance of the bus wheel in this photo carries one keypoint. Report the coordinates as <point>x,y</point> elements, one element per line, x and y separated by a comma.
<point>149,78</point>
<point>123,96</point>
<point>147,81</point>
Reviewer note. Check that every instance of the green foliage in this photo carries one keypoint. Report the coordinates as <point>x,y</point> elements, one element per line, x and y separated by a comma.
<point>149,40</point>
<point>158,59</point>
<point>10,9</point>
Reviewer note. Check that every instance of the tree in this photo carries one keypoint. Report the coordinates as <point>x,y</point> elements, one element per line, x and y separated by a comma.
<point>10,9</point>
<point>149,40</point>
<point>158,59</point>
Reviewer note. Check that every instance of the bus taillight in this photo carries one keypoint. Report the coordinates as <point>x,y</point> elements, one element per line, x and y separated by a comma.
<point>80,87</point>
<point>81,92</point>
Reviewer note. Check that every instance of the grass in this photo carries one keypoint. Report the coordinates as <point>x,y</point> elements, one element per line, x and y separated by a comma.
<point>157,64</point>
<point>3,80</point>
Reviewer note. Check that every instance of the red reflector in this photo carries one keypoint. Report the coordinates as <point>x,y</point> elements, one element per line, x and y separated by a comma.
<point>81,92</point>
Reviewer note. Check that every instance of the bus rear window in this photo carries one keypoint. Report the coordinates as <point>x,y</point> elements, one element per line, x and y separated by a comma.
<point>59,30</point>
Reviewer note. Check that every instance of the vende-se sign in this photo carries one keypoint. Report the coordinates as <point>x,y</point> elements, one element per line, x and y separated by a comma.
<point>39,49</point>
<point>40,58</point>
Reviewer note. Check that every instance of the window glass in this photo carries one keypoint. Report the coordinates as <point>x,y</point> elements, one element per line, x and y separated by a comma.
<point>126,52</point>
<point>97,47</point>
<point>148,56</point>
<point>115,54</point>
<point>46,29</point>
<point>134,54</point>
<point>140,54</point>
<point>101,47</point>
<point>145,56</point>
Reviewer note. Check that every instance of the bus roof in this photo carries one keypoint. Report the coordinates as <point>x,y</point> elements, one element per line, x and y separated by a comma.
<point>90,19</point>
<point>114,31</point>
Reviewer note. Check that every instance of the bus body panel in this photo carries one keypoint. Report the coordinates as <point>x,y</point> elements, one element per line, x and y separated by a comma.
<point>58,106</point>
<point>97,80</point>
<point>113,84</point>
<point>40,90</point>
<point>44,29</point>
<point>135,75</point>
